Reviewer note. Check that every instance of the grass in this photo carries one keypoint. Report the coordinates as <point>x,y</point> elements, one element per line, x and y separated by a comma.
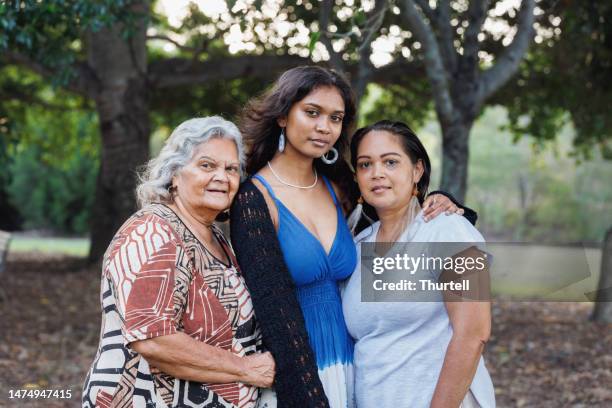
<point>67,246</point>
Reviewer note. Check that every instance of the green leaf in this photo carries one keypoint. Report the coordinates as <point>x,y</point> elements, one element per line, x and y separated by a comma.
<point>359,18</point>
<point>314,37</point>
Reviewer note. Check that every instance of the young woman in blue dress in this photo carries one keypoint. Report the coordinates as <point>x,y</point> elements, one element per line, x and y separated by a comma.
<point>290,236</point>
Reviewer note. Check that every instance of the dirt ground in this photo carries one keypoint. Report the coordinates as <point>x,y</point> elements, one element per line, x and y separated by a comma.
<point>540,354</point>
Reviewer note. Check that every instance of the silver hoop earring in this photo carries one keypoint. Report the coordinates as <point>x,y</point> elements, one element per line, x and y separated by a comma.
<point>281,141</point>
<point>327,160</point>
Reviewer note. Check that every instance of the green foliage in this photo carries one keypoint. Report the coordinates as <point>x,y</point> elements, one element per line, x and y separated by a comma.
<point>48,149</point>
<point>10,217</point>
<point>174,105</point>
<point>314,37</point>
<point>567,78</point>
<point>201,35</point>
<point>403,102</point>
<point>53,170</point>
<point>14,88</point>
<point>532,191</point>
<point>50,32</point>
<point>52,152</point>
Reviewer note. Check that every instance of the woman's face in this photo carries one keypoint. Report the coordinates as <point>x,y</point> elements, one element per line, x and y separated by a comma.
<point>385,173</point>
<point>209,182</point>
<point>314,124</point>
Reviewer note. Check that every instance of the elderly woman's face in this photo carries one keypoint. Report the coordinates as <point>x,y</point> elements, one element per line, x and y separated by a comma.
<point>210,180</point>
<point>385,173</point>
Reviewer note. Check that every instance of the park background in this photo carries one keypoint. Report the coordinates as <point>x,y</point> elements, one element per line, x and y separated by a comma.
<point>511,98</point>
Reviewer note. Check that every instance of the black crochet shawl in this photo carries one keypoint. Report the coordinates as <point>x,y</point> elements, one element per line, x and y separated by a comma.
<point>272,290</point>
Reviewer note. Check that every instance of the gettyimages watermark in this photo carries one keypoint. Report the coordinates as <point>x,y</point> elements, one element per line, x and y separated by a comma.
<point>458,271</point>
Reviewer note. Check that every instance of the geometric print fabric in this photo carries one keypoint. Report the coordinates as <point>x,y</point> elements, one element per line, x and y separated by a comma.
<point>157,279</point>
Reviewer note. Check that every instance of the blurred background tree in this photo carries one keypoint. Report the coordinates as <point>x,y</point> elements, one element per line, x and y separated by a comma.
<point>98,50</point>
<point>88,85</point>
<point>566,78</point>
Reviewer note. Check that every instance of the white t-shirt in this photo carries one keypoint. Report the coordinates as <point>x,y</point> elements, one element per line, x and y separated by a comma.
<point>400,346</point>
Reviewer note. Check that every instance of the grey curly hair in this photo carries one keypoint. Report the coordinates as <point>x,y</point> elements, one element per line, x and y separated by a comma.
<point>156,177</point>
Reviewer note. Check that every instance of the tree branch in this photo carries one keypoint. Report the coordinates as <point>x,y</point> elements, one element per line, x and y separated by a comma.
<point>171,41</point>
<point>195,51</point>
<point>374,21</point>
<point>433,61</point>
<point>476,15</point>
<point>325,12</point>
<point>508,62</point>
<point>176,71</point>
<point>440,20</point>
<point>397,72</point>
<point>427,10</point>
<point>84,82</point>
<point>180,71</point>
<point>446,35</point>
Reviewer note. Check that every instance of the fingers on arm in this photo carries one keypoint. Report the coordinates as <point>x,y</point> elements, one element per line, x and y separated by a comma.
<point>436,204</point>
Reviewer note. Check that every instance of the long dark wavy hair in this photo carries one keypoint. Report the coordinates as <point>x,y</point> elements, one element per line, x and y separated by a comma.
<point>411,145</point>
<point>261,131</point>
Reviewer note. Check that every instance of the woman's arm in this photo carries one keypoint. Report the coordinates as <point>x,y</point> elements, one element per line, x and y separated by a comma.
<point>471,323</point>
<point>146,304</point>
<point>181,356</point>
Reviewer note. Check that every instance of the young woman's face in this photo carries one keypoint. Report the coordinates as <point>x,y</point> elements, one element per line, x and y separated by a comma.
<point>314,124</point>
<point>385,173</point>
<point>209,182</point>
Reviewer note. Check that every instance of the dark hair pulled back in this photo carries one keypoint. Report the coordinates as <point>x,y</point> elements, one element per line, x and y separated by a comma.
<point>411,145</point>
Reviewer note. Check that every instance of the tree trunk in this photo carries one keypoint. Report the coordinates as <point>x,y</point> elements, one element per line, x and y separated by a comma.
<point>602,312</point>
<point>361,81</point>
<point>455,155</point>
<point>122,105</point>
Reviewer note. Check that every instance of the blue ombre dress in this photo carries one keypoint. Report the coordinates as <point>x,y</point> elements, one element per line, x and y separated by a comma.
<point>316,275</point>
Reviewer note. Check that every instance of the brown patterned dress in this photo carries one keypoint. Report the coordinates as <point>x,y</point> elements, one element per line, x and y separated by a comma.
<point>158,279</point>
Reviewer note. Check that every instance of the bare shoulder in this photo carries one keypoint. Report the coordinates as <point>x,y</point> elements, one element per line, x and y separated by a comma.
<point>263,190</point>
<point>269,200</point>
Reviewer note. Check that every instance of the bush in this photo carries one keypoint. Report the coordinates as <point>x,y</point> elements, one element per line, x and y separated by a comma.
<point>53,171</point>
<point>50,197</point>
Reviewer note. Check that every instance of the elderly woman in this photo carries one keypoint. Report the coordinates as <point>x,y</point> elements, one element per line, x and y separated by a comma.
<point>178,327</point>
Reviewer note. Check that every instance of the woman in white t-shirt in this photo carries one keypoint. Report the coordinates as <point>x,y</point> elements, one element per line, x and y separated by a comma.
<point>412,353</point>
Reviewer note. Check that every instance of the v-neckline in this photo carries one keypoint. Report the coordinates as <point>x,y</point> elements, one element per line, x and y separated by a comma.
<point>230,262</point>
<point>310,233</point>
